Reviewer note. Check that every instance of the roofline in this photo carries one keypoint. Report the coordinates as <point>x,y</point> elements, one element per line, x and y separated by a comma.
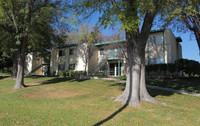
<point>179,39</point>
<point>158,30</point>
<point>109,42</point>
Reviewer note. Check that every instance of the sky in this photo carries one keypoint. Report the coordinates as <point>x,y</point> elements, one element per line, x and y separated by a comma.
<point>189,45</point>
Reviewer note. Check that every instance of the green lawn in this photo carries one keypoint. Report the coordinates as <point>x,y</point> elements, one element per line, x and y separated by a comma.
<point>58,101</point>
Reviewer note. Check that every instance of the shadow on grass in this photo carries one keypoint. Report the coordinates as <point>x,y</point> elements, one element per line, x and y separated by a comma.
<point>111,116</point>
<point>38,76</point>
<point>2,77</point>
<point>55,80</point>
<point>152,92</point>
<point>156,92</point>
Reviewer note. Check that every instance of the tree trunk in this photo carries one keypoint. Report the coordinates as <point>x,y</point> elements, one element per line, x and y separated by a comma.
<point>135,90</point>
<point>20,72</point>
<point>14,70</point>
<point>197,35</point>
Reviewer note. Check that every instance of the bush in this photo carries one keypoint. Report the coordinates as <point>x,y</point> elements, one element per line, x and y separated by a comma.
<point>189,67</point>
<point>171,67</point>
<point>71,73</point>
<point>62,73</point>
<point>74,74</point>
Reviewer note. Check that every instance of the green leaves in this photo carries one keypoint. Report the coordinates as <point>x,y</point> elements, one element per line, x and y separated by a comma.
<point>18,42</point>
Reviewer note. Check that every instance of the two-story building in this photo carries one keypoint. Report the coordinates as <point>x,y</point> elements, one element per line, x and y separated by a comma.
<point>109,57</point>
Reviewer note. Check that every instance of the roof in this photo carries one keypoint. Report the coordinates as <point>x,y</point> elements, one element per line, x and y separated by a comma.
<point>158,30</point>
<point>178,39</point>
<point>119,41</point>
<point>109,42</point>
<point>67,45</point>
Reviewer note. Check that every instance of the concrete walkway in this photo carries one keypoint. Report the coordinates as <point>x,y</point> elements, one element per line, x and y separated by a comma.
<point>156,87</point>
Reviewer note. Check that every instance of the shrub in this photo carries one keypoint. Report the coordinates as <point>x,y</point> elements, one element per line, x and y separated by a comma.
<point>189,67</point>
<point>62,73</point>
<point>171,67</point>
<point>71,73</point>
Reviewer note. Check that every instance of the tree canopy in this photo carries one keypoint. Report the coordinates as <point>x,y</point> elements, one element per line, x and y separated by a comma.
<point>184,15</point>
<point>30,26</point>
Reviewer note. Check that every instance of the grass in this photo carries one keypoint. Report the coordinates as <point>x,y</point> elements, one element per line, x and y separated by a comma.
<point>59,101</point>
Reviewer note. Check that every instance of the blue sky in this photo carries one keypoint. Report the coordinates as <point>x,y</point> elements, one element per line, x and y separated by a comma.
<point>189,46</point>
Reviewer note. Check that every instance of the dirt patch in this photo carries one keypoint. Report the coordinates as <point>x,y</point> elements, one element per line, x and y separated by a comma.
<point>35,84</point>
<point>55,94</point>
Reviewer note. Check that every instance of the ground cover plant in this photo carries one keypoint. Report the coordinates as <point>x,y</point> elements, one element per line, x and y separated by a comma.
<point>64,101</point>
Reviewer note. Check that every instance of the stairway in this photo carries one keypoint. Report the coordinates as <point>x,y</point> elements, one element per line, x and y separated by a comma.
<point>35,69</point>
<point>98,67</point>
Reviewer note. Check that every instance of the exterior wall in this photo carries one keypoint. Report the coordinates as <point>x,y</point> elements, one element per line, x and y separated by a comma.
<point>172,47</point>
<point>54,61</point>
<point>93,60</point>
<point>179,51</point>
<point>36,62</point>
<point>28,62</point>
<point>81,57</point>
<point>67,59</point>
<point>32,62</point>
<point>154,51</point>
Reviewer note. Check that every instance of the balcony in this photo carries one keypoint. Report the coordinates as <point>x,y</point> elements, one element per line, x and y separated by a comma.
<point>111,54</point>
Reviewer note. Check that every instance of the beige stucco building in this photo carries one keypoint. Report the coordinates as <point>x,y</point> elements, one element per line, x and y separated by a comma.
<point>108,58</point>
<point>35,65</point>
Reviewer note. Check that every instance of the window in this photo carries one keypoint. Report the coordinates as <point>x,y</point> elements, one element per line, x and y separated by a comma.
<point>159,39</point>
<point>72,51</point>
<point>156,60</point>
<point>119,52</point>
<point>156,39</point>
<point>71,66</point>
<point>103,52</point>
<point>61,67</point>
<point>61,52</point>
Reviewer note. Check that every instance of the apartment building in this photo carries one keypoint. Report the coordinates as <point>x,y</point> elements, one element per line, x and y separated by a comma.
<point>109,57</point>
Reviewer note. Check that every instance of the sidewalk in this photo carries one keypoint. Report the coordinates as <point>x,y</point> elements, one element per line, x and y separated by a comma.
<point>156,87</point>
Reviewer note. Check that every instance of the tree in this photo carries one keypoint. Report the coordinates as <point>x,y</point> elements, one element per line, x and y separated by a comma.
<point>27,22</point>
<point>84,37</point>
<point>185,14</point>
<point>130,14</point>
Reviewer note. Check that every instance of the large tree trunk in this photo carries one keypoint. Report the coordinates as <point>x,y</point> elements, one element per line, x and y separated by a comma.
<point>135,90</point>
<point>20,72</point>
<point>14,69</point>
<point>197,35</point>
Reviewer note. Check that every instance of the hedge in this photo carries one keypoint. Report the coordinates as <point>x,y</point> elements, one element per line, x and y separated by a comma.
<point>190,68</point>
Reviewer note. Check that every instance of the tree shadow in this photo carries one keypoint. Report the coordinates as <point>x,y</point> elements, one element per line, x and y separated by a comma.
<point>38,76</point>
<point>54,81</point>
<point>152,92</point>
<point>2,77</point>
<point>157,92</point>
<point>111,116</point>
<point>126,103</point>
